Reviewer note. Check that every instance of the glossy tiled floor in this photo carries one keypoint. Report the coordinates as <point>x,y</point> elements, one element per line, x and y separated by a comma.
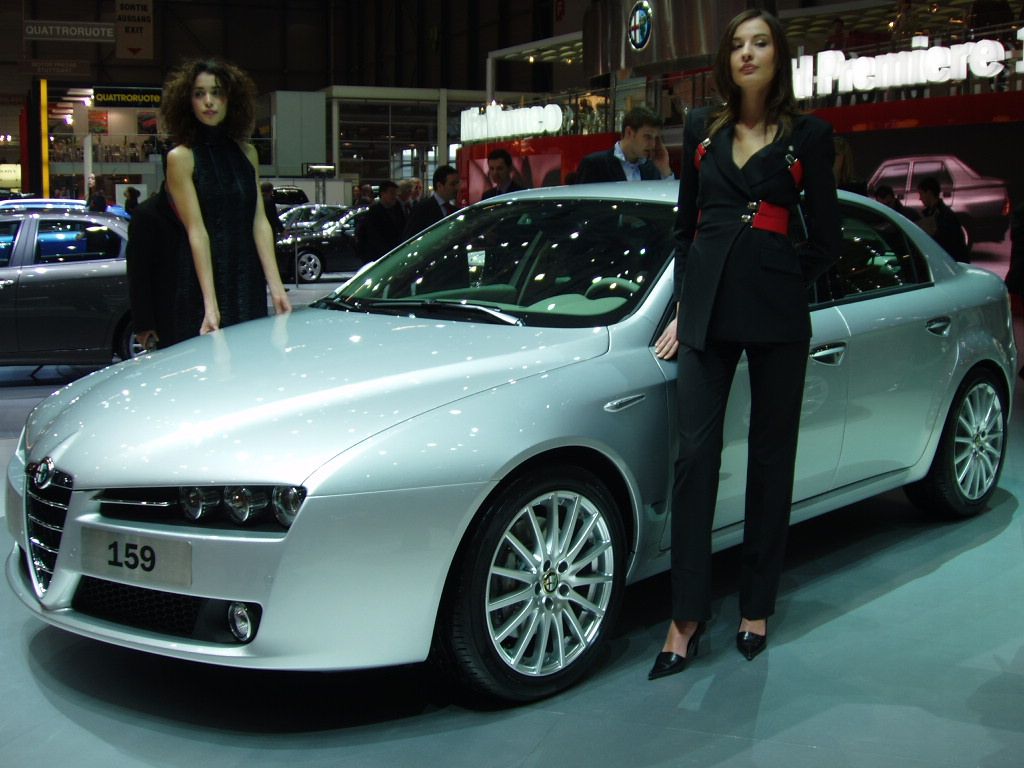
<point>899,642</point>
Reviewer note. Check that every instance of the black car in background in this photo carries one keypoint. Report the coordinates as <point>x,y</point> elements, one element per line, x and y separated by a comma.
<point>308,214</point>
<point>286,197</point>
<point>63,287</point>
<point>330,245</point>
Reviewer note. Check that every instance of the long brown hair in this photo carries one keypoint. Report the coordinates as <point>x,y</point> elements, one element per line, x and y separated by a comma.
<point>781,104</point>
<point>176,103</point>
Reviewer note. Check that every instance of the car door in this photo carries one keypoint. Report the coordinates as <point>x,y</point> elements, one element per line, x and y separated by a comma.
<point>73,290</point>
<point>9,232</point>
<point>899,349</point>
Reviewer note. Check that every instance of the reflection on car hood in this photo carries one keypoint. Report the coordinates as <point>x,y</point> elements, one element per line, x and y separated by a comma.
<point>274,399</point>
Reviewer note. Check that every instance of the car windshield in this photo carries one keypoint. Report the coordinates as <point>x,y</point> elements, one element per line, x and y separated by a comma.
<point>555,263</point>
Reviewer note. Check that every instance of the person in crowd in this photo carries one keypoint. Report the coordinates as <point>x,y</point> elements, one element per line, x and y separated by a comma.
<point>499,171</point>
<point>381,228</point>
<point>417,189</point>
<point>131,200</point>
<point>156,254</point>
<point>270,208</point>
<point>741,287</point>
<point>365,198</point>
<point>213,182</point>
<point>884,194</point>
<point>843,168</point>
<point>438,205</point>
<point>97,200</point>
<point>405,202</point>
<point>939,221</point>
<point>1015,276</point>
<point>639,155</point>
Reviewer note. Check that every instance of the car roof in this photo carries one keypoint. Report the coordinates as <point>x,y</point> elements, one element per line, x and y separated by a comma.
<point>42,202</point>
<point>9,214</point>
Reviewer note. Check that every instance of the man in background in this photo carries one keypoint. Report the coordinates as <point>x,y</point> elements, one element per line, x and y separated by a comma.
<point>499,171</point>
<point>438,205</point>
<point>639,155</point>
<point>939,221</point>
<point>381,228</point>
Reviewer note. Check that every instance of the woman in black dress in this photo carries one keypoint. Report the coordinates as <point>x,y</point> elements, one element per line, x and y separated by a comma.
<point>213,182</point>
<point>742,287</point>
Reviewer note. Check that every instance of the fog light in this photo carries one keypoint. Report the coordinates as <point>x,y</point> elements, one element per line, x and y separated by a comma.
<point>197,503</point>
<point>242,621</point>
<point>244,504</point>
<point>287,500</point>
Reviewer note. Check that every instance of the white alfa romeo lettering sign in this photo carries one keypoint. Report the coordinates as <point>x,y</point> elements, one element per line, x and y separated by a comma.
<point>498,123</point>
<point>831,72</point>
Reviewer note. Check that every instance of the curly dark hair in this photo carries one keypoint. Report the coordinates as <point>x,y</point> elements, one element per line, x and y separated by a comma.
<point>781,104</point>
<point>176,103</point>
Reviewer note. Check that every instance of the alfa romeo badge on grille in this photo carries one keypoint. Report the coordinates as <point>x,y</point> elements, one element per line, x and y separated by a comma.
<point>42,475</point>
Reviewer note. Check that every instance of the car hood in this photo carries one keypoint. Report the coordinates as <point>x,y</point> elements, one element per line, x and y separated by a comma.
<point>272,400</point>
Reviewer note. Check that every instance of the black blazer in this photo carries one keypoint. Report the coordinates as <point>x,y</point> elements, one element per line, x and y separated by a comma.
<point>424,213</point>
<point>381,230</point>
<point>493,191</point>
<point>734,282</point>
<point>156,254</point>
<point>605,166</point>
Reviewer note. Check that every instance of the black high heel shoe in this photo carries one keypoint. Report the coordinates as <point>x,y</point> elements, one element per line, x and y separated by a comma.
<point>667,663</point>
<point>750,644</point>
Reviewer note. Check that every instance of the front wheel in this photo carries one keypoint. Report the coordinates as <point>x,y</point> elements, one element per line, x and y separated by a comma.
<point>539,587</point>
<point>971,451</point>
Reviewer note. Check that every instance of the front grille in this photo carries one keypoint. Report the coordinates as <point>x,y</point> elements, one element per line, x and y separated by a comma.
<point>166,613</point>
<point>138,607</point>
<point>46,511</point>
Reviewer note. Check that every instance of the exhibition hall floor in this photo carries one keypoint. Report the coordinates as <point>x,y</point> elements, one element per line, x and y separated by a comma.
<point>898,642</point>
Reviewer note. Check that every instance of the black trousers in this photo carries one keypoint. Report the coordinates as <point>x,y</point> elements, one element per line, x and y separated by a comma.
<point>776,393</point>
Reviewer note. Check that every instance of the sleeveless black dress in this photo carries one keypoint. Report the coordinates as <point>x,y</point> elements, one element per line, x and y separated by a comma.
<point>226,187</point>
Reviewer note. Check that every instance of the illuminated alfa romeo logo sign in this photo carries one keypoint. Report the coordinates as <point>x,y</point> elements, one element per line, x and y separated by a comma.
<point>640,25</point>
<point>42,476</point>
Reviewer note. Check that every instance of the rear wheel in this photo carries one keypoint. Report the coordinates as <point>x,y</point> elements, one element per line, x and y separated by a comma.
<point>539,587</point>
<point>310,267</point>
<point>971,451</point>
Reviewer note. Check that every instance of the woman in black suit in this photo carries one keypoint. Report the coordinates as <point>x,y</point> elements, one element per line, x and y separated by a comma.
<point>742,287</point>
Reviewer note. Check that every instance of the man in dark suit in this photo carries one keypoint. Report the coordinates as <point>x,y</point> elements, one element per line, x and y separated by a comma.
<point>939,221</point>
<point>638,156</point>
<point>381,228</point>
<point>438,205</point>
<point>499,171</point>
<point>157,252</point>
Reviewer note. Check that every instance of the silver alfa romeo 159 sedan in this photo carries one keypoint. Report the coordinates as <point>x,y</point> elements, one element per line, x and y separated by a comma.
<point>465,452</point>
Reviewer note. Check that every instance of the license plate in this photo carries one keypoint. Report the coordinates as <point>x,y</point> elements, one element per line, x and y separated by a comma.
<point>134,558</point>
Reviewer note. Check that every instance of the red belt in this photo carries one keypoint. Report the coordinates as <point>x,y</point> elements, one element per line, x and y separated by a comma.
<point>770,217</point>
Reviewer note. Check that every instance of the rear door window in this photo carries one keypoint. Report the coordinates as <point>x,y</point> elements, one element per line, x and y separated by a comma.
<point>62,241</point>
<point>8,235</point>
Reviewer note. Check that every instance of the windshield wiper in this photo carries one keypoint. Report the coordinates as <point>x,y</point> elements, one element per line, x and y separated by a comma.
<point>453,306</point>
<point>336,301</point>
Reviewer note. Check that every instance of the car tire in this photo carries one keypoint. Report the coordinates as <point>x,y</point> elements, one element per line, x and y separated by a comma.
<point>125,344</point>
<point>309,267</point>
<point>971,452</point>
<point>538,589</point>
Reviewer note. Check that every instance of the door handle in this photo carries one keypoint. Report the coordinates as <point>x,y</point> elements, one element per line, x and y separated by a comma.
<point>829,354</point>
<point>6,283</point>
<point>939,325</point>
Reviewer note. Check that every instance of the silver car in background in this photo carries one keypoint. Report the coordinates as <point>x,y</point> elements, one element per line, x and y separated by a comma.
<point>63,287</point>
<point>465,453</point>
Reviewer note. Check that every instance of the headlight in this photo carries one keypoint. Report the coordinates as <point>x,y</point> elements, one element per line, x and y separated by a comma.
<point>197,503</point>
<point>243,503</point>
<point>287,500</point>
